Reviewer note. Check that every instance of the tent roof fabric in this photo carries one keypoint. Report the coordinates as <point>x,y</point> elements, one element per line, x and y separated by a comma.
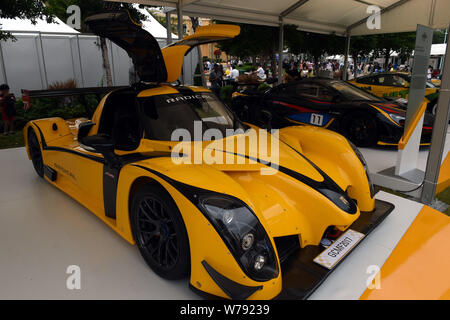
<point>324,16</point>
<point>25,25</point>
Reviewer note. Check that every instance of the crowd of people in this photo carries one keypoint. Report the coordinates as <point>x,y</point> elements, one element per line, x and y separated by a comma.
<point>218,76</point>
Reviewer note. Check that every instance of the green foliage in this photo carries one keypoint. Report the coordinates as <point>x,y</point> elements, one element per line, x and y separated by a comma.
<point>247,67</point>
<point>12,140</point>
<point>263,87</point>
<point>23,9</point>
<point>225,94</point>
<point>314,44</point>
<point>163,21</point>
<point>438,36</point>
<point>252,41</point>
<point>66,108</point>
<point>403,43</point>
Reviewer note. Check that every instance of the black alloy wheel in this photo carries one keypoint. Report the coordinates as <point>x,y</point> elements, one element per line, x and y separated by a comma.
<point>361,129</point>
<point>34,148</point>
<point>159,232</point>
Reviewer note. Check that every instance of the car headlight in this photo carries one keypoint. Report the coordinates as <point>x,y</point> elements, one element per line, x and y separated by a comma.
<point>397,118</point>
<point>366,168</point>
<point>243,234</point>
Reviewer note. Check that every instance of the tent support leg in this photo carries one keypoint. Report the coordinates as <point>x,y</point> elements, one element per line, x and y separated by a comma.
<point>280,52</point>
<point>347,52</point>
<point>439,134</point>
<point>168,28</point>
<point>180,31</point>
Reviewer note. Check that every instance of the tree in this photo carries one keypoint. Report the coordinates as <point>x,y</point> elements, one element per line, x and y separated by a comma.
<point>88,8</point>
<point>253,41</point>
<point>163,21</point>
<point>314,44</point>
<point>361,46</point>
<point>438,36</point>
<point>402,43</point>
<point>23,9</point>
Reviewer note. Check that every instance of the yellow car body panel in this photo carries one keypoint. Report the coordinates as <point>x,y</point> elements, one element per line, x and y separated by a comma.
<point>218,32</point>
<point>174,64</point>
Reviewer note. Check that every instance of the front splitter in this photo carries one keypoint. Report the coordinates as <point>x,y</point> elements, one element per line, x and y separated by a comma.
<point>301,276</point>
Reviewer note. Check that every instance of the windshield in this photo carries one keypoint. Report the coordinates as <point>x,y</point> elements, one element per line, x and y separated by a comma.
<point>353,93</point>
<point>166,113</point>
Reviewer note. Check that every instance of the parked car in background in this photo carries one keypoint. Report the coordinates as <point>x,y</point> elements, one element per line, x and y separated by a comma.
<point>362,117</point>
<point>395,85</point>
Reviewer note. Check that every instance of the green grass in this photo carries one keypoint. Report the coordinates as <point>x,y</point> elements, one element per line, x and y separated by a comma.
<point>14,140</point>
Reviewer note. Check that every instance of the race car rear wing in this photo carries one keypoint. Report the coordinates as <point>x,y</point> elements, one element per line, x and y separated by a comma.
<point>51,93</point>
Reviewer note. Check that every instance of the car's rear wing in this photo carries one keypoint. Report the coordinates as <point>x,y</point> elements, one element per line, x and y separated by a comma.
<point>51,93</point>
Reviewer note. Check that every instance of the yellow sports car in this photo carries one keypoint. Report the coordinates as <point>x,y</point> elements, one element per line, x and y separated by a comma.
<point>247,227</point>
<point>395,85</point>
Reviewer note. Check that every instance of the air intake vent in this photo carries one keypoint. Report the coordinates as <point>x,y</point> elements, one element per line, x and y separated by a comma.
<point>286,246</point>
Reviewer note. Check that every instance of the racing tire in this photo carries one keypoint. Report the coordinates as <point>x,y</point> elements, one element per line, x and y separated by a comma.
<point>35,151</point>
<point>361,129</point>
<point>160,233</point>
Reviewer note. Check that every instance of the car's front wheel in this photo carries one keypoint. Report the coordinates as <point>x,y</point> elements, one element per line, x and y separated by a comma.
<point>361,129</point>
<point>34,148</point>
<point>160,233</point>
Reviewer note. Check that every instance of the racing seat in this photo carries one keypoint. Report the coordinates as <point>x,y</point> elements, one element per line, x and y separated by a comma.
<point>120,120</point>
<point>126,132</point>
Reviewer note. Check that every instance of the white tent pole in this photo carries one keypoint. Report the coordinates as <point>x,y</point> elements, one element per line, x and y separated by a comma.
<point>79,59</point>
<point>280,52</point>
<point>347,52</point>
<point>180,19</point>
<point>43,59</point>
<point>441,60</point>
<point>283,14</point>
<point>168,28</point>
<point>180,32</point>
<point>439,134</point>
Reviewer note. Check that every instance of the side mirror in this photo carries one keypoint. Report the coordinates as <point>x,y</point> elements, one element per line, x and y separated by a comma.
<point>84,128</point>
<point>103,144</point>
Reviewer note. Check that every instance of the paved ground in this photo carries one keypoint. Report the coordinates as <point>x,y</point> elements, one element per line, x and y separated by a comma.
<point>43,231</point>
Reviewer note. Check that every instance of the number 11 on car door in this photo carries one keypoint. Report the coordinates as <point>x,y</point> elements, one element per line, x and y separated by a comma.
<point>316,119</point>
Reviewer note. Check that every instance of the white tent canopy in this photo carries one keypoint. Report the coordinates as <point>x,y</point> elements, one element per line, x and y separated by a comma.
<point>152,25</point>
<point>325,16</point>
<point>25,25</point>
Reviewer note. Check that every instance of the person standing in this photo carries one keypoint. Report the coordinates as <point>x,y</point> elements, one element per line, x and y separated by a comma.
<point>261,73</point>
<point>7,102</point>
<point>215,77</point>
<point>234,73</point>
<point>429,72</point>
